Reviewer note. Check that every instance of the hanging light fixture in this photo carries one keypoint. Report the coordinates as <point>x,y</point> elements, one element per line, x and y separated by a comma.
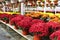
<point>55,2</point>
<point>7,2</point>
<point>20,0</point>
<point>39,2</point>
<point>13,4</point>
<point>12,1</point>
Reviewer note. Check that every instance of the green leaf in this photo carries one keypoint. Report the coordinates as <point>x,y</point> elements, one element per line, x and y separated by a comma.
<point>5,18</point>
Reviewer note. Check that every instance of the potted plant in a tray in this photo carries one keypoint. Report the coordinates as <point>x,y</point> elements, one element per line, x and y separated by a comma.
<point>38,30</point>
<point>53,26</point>
<point>25,25</point>
<point>55,35</point>
<point>5,17</point>
<point>36,15</point>
<point>15,20</point>
<point>55,19</point>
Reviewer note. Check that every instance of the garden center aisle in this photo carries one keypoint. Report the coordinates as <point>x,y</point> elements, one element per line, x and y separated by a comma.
<point>6,34</point>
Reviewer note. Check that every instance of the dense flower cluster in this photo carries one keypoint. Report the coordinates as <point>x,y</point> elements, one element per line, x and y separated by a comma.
<point>16,19</point>
<point>4,16</point>
<point>37,20</point>
<point>53,25</point>
<point>12,16</point>
<point>44,16</point>
<point>7,16</point>
<point>55,35</point>
<point>25,23</point>
<point>39,28</point>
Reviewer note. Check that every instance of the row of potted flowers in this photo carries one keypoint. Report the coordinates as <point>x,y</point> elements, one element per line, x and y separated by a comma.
<point>39,28</point>
<point>44,16</point>
<point>9,12</point>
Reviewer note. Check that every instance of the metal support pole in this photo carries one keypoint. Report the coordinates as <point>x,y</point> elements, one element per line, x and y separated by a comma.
<point>55,9</point>
<point>22,8</point>
<point>13,7</point>
<point>3,7</point>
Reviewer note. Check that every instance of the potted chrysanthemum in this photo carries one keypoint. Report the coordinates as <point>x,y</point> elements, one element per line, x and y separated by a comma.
<point>5,17</point>
<point>53,26</point>
<point>37,20</point>
<point>55,35</point>
<point>15,20</point>
<point>13,15</point>
<point>38,30</point>
<point>25,25</point>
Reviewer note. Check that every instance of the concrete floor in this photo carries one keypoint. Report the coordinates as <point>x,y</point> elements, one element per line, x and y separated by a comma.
<point>9,34</point>
<point>5,35</point>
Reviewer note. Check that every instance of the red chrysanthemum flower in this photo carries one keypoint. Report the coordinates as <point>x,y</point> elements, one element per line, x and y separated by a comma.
<point>12,16</point>
<point>16,19</point>
<point>55,35</point>
<point>25,23</point>
<point>39,28</point>
<point>28,18</point>
<point>54,25</point>
<point>4,15</point>
<point>37,20</point>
